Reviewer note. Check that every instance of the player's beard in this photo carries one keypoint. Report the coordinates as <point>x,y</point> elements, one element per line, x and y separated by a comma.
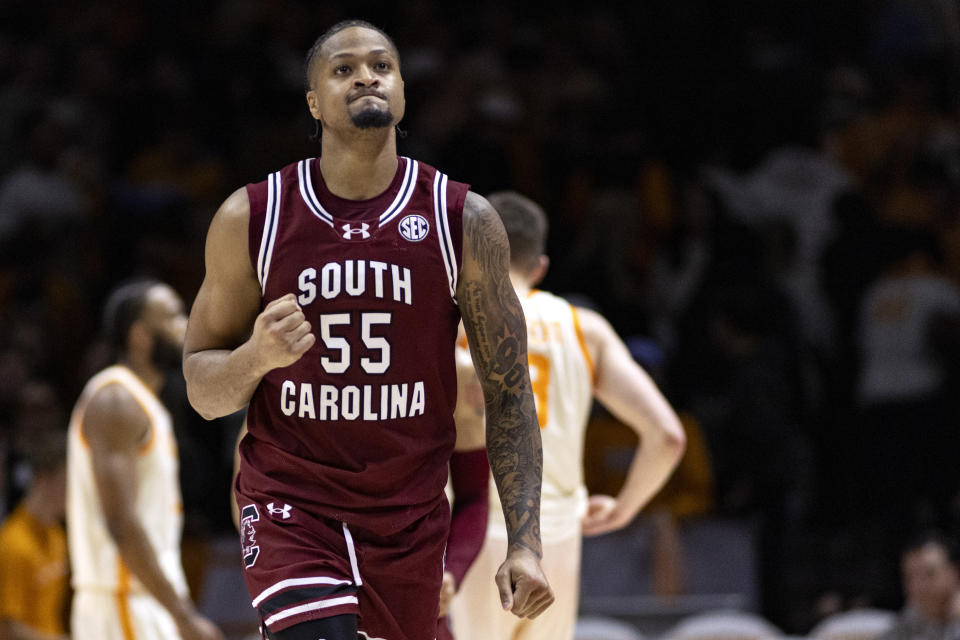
<point>372,118</point>
<point>166,355</point>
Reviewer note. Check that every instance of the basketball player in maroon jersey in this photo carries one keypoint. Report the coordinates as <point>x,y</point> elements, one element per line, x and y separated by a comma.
<point>329,309</point>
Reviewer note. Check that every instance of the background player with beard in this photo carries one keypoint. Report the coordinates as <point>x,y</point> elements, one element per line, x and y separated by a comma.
<point>124,511</point>
<point>330,306</point>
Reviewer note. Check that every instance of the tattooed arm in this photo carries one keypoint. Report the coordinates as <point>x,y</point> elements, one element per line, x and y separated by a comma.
<point>497,334</point>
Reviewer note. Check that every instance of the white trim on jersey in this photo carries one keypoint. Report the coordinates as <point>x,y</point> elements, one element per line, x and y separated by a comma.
<point>443,231</point>
<point>404,194</point>
<point>399,203</point>
<point>294,582</point>
<point>308,194</point>
<point>353,554</point>
<point>270,224</point>
<point>309,606</point>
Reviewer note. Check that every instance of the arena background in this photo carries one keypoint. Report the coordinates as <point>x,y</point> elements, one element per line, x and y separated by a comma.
<point>732,184</point>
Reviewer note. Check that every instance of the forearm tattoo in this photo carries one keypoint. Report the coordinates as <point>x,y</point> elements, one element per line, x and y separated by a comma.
<point>497,334</point>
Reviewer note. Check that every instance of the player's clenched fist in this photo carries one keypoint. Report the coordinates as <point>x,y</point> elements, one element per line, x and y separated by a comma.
<point>281,333</point>
<point>524,590</point>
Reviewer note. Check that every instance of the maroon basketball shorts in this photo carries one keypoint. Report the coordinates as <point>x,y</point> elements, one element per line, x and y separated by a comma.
<point>300,567</point>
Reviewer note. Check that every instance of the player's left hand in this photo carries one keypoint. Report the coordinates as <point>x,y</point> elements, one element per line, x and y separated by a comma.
<point>604,516</point>
<point>524,590</point>
<point>447,589</point>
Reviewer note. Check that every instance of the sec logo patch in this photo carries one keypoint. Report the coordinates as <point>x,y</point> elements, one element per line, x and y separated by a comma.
<point>414,227</point>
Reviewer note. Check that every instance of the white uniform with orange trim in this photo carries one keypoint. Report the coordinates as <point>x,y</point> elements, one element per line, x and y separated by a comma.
<point>561,375</point>
<point>109,603</point>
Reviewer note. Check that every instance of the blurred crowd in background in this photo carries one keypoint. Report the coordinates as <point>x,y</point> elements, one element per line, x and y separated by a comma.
<point>763,197</point>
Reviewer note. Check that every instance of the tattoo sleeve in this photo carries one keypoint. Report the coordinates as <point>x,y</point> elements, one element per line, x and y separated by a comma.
<point>496,331</point>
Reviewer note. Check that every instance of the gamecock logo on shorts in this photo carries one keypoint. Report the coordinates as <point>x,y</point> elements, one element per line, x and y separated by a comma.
<point>248,535</point>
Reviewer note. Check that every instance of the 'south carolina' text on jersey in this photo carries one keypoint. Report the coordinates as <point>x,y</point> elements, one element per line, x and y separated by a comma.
<point>367,402</point>
<point>355,277</point>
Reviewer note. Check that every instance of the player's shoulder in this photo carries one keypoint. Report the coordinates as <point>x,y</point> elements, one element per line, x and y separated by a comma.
<point>584,311</point>
<point>476,204</point>
<point>236,205</point>
<point>114,415</point>
<point>232,219</point>
<point>258,193</point>
<point>550,302</point>
<point>480,219</point>
<point>593,324</point>
<point>115,397</point>
<point>546,296</point>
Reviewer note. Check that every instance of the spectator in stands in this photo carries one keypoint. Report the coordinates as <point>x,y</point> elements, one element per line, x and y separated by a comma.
<point>907,438</point>
<point>931,585</point>
<point>33,547</point>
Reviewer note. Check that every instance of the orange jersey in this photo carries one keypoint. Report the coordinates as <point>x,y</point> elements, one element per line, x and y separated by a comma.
<point>33,572</point>
<point>561,377</point>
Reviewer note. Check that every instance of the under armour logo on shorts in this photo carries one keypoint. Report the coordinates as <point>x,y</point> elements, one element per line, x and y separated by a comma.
<point>349,231</point>
<point>283,512</point>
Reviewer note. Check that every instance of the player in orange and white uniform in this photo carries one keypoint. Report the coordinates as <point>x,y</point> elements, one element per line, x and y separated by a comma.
<point>574,356</point>
<point>124,511</point>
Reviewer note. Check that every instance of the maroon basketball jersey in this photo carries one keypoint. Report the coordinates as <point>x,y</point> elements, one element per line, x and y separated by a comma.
<point>360,429</point>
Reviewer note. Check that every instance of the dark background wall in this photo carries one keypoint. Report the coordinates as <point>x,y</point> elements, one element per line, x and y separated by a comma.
<point>735,185</point>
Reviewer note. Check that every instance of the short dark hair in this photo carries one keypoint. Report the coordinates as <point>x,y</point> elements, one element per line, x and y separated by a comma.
<point>526,226</point>
<point>40,421</point>
<point>124,307</point>
<point>46,451</point>
<point>935,537</point>
<point>334,30</point>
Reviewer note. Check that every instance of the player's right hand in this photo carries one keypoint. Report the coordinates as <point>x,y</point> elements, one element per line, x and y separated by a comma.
<point>281,333</point>
<point>196,627</point>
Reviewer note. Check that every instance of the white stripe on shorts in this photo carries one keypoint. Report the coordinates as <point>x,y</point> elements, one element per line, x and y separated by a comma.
<point>294,582</point>
<point>310,606</point>
<point>353,555</point>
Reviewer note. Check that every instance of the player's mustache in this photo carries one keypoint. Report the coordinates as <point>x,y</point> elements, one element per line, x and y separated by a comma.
<point>362,93</point>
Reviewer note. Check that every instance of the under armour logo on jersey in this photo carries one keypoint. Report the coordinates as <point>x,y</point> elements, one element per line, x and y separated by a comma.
<point>349,231</point>
<point>283,512</point>
<point>414,227</point>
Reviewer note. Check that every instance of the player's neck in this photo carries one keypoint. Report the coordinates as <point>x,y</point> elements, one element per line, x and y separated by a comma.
<point>359,167</point>
<point>149,375</point>
<point>42,503</point>
<point>520,284</point>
